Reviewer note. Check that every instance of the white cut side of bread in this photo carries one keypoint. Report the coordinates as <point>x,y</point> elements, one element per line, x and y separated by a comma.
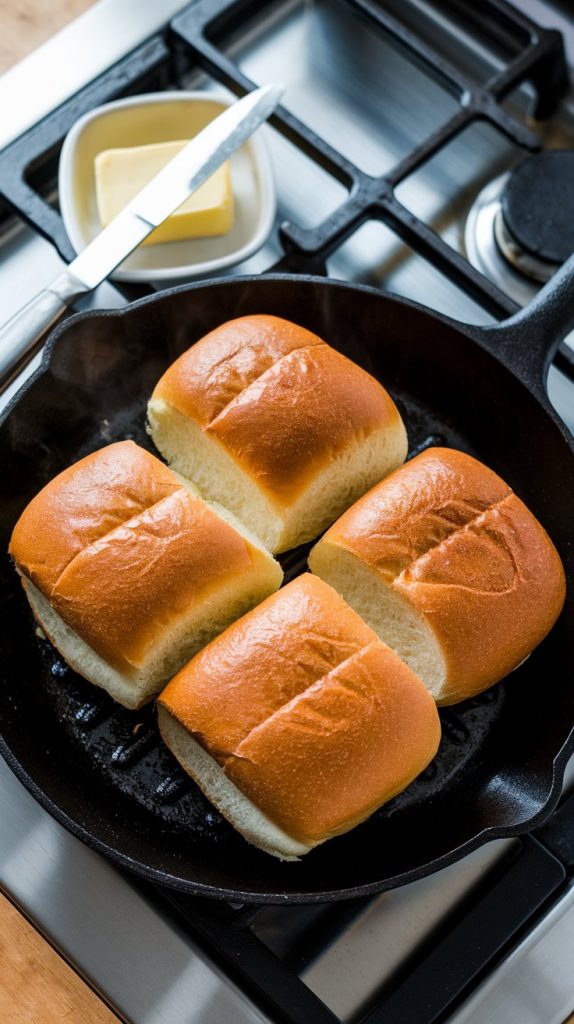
<point>193,453</point>
<point>178,644</point>
<point>223,794</point>
<point>389,615</point>
<point>131,691</point>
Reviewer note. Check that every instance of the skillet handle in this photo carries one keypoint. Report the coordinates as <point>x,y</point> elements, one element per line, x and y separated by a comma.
<point>527,341</point>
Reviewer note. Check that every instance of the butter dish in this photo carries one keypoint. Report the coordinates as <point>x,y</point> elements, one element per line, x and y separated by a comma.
<point>157,118</point>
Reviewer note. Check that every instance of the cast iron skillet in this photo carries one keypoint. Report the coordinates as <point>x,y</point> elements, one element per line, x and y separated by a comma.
<point>102,772</point>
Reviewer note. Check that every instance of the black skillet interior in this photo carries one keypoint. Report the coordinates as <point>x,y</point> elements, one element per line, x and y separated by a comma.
<point>103,772</point>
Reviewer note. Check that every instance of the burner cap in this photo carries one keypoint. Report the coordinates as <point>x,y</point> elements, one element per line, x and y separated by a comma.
<point>538,205</point>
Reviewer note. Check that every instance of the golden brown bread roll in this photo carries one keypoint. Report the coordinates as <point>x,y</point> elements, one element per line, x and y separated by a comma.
<point>297,722</point>
<point>276,425</point>
<point>450,568</point>
<point>129,573</point>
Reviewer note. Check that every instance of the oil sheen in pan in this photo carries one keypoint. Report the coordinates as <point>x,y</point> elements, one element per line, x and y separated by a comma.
<point>125,746</point>
<point>126,749</point>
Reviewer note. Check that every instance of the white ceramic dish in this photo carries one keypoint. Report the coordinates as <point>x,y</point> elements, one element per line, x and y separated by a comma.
<point>161,117</point>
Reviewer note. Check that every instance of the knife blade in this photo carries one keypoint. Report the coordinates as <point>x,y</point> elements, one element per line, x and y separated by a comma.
<point>179,179</point>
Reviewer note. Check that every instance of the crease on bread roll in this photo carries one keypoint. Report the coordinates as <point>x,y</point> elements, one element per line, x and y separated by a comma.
<point>298,717</point>
<point>273,423</point>
<point>255,826</point>
<point>129,572</point>
<point>449,568</point>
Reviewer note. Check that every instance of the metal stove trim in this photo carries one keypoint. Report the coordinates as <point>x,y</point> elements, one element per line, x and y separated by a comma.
<point>97,38</point>
<point>533,984</point>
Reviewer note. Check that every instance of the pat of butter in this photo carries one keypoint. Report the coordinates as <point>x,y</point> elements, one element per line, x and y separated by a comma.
<point>122,173</point>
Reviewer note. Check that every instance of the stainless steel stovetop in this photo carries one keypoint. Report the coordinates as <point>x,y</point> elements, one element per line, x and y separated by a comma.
<point>129,948</point>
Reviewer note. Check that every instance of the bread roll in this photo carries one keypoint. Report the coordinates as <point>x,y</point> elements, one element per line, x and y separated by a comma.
<point>449,568</point>
<point>297,722</point>
<point>276,425</point>
<point>129,573</point>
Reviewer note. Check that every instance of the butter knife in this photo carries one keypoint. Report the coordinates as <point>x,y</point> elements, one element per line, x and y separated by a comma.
<point>180,178</point>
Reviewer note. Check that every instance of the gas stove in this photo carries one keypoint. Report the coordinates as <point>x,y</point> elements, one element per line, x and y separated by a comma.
<point>395,162</point>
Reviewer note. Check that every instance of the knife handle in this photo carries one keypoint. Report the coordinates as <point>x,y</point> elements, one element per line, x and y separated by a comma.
<point>20,335</point>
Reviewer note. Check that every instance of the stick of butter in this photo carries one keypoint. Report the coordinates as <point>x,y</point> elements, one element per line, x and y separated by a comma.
<point>122,173</point>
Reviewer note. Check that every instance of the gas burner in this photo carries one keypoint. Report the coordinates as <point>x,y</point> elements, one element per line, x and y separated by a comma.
<point>520,228</point>
<point>535,224</point>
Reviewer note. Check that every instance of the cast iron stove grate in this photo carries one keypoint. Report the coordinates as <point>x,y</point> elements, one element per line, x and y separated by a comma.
<point>193,38</point>
<point>245,942</point>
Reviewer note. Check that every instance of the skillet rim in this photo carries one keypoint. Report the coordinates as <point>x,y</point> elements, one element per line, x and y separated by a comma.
<point>474,333</point>
<point>161,878</point>
<point>556,765</point>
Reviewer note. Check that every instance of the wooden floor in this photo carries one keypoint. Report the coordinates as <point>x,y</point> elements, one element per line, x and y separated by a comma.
<point>28,23</point>
<point>36,984</point>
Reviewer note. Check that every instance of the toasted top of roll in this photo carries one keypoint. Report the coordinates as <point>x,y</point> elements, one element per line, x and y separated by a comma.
<point>123,550</point>
<point>310,716</point>
<point>82,504</point>
<point>280,400</point>
<point>448,536</point>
